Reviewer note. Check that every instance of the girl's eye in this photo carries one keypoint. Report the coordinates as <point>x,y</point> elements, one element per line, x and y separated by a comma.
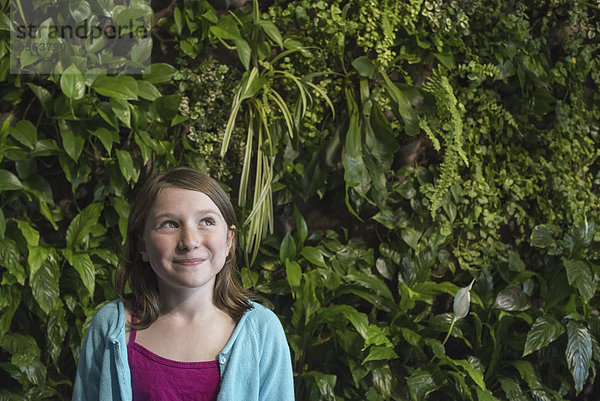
<point>169,224</point>
<point>209,221</point>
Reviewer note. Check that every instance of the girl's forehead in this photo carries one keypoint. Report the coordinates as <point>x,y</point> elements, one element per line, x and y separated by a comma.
<point>181,199</point>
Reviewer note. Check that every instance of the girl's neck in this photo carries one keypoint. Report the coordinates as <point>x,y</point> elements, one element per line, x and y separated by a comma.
<point>187,305</point>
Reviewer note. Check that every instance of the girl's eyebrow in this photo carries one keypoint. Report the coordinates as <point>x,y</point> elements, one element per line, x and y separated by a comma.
<point>173,215</point>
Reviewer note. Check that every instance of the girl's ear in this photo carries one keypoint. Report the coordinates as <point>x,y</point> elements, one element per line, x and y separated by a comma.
<point>230,236</point>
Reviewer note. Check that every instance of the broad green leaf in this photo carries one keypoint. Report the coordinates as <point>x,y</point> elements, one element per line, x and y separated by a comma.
<point>324,383</point>
<point>272,31</point>
<point>313,255</point>
<point>177,17</point>
<point>578,353</point>
<point>293,272</point>
<point>365,67</point>
<point>37,256</point>
<point>462,301</point>
<point>105,136</point>
<point>380,353</point>
<point>411,236</point>
<point>84,266</point>
<point>422,383</point>
<point>56,331</point>
<point>43,95</point>
<point>301,227</point>
<point>383,379</point>
<point>485,395</point>
<point>287,249</point>
<point>10,297</point>
<point>82,225</point>
<point>405,109</point>
<point>10,259</point>
<point>44,286</point>
<point>541,237</point>
<point>167,106</point>
<point>25,132</point>
<point>31,235</point>
<point>580,277</point>
<point>72,142</point>
<point>141,50</point>
<point>359,320</point>
<point>148,91</point>
<point>226,29</point>
<point>515,263</point>
<point>244,52</point>
<point>9,181</point>
<point>125,164</point>
<point>80,10</point>
<point>544,330</point>
<point>512,298</point>
<point>72,82</point>
<point>475,374</point>
<point>373,283</point>
<point>512,390</point>
<point>122,109</point>
<point>158,73</point>
<point>528,374</point>
<point>376,336</point>
<point>123,87</point>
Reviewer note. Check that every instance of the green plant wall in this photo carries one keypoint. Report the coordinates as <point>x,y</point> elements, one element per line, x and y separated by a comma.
<point>418,184</point>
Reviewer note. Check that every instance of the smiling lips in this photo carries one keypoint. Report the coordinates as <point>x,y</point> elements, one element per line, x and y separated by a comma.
<point>189,262</point>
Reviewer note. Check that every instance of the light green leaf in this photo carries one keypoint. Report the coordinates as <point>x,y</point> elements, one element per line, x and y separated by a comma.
<point>373,283</point>
<point>512,390</point>
<point>80,10</point>
<point>122,109</point>
<point>578,353</point>
<point>244,52</point>
<point>141,50</point>
<point>72,142</point>
<point>293,272</point>
<point>31,235</point>
<point>515,263</point>
<point>272,31</point>
<point>287,249</point>
<point>43,95</point>
<point>2,224</point>
<point>10,258</point>
<point>72,82</point>
<point>37,256</point>
<point>158,73</point>
<point>405,109</point>
<point>411,236</point>
<point>9,181</point>
<point>123,87</point>
<point>25,132</point>
<point>313,255</point>
<point>105,136</point>
<point>544,330</point>
<point>56,331</point>
<point>148,91</point>
<point>380,353</point>
<point>82,225</point>
<point>422,383</point>
<point>125,164</point>
<point>474,373</point>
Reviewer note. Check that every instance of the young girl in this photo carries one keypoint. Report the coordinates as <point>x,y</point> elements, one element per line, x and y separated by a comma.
<point>187,330</point>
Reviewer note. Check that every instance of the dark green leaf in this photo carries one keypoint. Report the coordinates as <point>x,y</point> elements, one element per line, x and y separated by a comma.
<point>272,31</point>
<point>301,227</point>
<point>512,390</point>
<point>43,95</point>
<point>515,263</point>
<point>541,237</point>
<point>421,383</point>
<point>578,353</point>
<point>373,283</point>
<point>365,67</point>
<point>148,91</point>
<point>244,52</point>
<point>580,277</point>
<point>105,136</point>
<point>84,266</point>
<point>544,330</point>
<point>72,142</point>
<point>405,109</point>
<point>10,259</point>
<point>125,164</point>
<point>44,286</point>
<point>379,353</point>
<point>122,109</point>
<point>56,331</point>
<point>512,298</point>
<point>2,224</point>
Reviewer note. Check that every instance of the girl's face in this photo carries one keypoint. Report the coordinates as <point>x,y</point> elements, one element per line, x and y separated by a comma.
<point>185,239</point>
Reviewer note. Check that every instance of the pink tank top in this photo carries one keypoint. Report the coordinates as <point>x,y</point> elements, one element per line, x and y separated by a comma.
<point>160,379</point>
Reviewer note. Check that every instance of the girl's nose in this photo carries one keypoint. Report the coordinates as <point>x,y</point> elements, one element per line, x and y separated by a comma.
<point>190,239</point>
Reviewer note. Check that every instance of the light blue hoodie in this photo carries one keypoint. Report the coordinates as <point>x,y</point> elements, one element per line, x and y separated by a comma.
<point>255,363</point>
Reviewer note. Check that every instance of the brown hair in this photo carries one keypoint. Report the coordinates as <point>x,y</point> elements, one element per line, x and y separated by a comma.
<point>229,295</point>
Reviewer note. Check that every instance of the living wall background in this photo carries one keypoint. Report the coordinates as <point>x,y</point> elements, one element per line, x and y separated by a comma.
<point>418,185</point>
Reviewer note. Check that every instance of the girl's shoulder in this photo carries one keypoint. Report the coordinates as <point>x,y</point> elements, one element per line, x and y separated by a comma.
<point>261,317</point>
<point>110,317</point>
